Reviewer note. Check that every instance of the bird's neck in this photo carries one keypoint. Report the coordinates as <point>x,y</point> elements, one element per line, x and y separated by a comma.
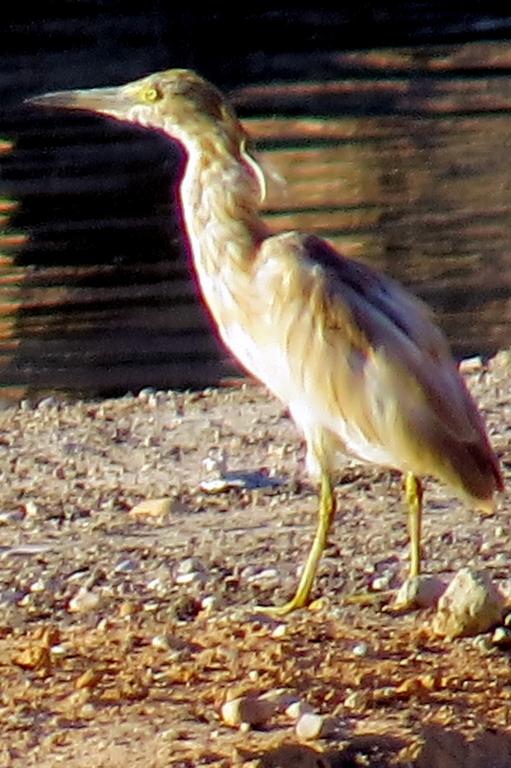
<point>220,193</point>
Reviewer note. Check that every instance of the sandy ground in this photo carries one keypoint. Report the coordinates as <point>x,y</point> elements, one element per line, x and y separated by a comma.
<point>124,629</point>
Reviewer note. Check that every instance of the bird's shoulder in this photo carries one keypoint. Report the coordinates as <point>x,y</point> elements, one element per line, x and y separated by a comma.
<point>345,293</point>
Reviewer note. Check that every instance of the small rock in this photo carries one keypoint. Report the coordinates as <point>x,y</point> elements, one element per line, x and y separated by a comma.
<point>471,364</point>
<point>313,726</point>
<point>161,642</point>
<point>360,649</point>
<point>356,700</point>
<point>470,605</point>
<point>16,516</point>
<point>502,637</point>
<point>252,710</point>
<point>483,643</point>
<point>87,711</point>
<point>264,575</point>
<point>297,708</point>
<point>215,463</point>
<point>84,601</point>
<point>152,508</point>
<point>381,583</point>
<point>145,394</point>
<point>309,726</point>
<point>194,577</point>
<point>31,508</point>
<point>47,402</point>
<point>209,603</point>
<point>35,657</point>
<point>279,631</point>
<point>88,679</point>
<point>190,565</point>
<point>419,592</point>
<point>38,586</point>
<point>129,608</point>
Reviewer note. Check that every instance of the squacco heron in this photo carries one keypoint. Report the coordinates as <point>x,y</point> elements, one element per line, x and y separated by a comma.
<point>358,361</point>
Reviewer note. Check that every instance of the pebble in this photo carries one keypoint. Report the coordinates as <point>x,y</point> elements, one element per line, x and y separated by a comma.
<point>419,592</point>
<point>190,565</point>
<point>297,708</point>
<point>146,393</point>
<point>38,586</point>
<point>356,700</point>
<point>312,726</point>
<point>84,601</point>
<point>263,575</point>
<point>152,508</point>
<point>252,710</point>
<point>279,631</point>
<point>15,516</point>
<point>210,603</point>
<point>190,570</point>
<point>161,642</point>
<point>47,402</point>
<point>189,578</point>
<point>470,605</point>
<point>31,508</point>
<point>381,583</point>
<point>471,364</point>
<point>361,649</point>
<point>502,637</point>
<point>483,643</point>
<point>88,711</point>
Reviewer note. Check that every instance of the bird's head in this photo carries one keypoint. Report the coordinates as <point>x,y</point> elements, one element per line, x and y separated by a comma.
<point>177,101</point>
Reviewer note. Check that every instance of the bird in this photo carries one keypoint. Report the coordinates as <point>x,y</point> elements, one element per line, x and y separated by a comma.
<point>358,361</point>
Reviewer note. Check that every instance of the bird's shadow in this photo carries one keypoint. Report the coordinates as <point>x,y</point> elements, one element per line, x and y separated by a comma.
<point>437,747</point>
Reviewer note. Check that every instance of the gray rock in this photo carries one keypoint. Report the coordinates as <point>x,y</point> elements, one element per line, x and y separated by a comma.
<point>419,592</point>
<point>470,605</point>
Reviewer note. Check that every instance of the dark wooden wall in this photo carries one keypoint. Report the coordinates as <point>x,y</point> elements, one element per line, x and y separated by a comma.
<point>96,293</point>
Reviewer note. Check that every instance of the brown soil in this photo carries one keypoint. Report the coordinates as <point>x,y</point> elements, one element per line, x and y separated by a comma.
<point>113,654</point>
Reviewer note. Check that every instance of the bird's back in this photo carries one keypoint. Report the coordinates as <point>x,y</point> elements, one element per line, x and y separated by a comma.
<point>359,360</point>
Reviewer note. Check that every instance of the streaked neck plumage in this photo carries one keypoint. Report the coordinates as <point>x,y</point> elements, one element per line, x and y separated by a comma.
<point>221,191</point>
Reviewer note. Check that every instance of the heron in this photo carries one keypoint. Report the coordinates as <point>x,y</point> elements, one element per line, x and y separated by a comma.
<point>357,360</point>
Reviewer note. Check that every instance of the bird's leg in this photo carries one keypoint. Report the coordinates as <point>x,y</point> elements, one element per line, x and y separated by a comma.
<point>326,515</point>
<point>413,491</point>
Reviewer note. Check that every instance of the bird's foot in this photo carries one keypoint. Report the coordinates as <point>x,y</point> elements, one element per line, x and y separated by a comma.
<point>278,611</point>
<point>369,598</point>
<point>419,591</point>
<point>295,604</point>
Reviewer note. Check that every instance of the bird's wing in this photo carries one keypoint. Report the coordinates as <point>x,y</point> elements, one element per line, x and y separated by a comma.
<point>365,355</point>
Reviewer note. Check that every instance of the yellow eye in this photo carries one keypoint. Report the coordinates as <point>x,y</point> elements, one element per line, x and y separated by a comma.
<point>151,94</point>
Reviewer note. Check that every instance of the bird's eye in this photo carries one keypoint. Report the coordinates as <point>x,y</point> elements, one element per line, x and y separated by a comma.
<point>151,94</point>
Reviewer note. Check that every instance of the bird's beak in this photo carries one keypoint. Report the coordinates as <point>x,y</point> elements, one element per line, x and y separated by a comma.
<point>108,101</point>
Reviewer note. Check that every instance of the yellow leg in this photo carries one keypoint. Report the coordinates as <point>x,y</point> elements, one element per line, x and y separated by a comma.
<point>326,516</point>
<point>413,490</point>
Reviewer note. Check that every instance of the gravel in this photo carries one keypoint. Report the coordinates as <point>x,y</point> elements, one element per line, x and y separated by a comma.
<point>126,587</point>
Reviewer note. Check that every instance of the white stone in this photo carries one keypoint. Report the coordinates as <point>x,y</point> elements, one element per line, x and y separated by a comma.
<point>253,710</point>
<point>420,592</point>
<point>470,605</point>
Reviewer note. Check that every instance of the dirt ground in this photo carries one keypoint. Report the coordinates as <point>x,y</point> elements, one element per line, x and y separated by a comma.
<point>124,628</point>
